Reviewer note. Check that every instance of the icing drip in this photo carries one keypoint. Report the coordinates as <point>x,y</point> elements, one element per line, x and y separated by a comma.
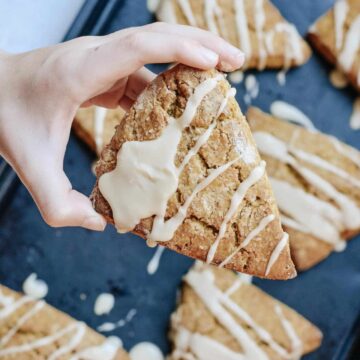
<point>186,9</point>
<point>255,232</point>
<point>260,19</point>
<point>255,175</point>
<point>35,287</point>
<point>155,260</point>
<point>213,10</point>
<point>236,77</point>
<point>99,124</point>
<point>225,310</point>
<point>341,9</point>
<point>338,79</point>
<point>355,117</point>
<point>104,304</point>
<point>108,326</point>
<point>351,46</point>
<point>318,217</point>
<point>76,330</point>
<point>276,253</point>
<point>166,12</point>
<point>242,27</point>
<point>146,350</point>
<point>252,89</point>
<point>106,351</point>
<point>147,173</point>
<point>152,5</point>
<point>241,279</point>
<point>288,112</point>
<point>291,223</point>
<point>272,146</point>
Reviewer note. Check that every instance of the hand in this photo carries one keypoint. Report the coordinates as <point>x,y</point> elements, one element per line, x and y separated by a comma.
<point>42,90</point>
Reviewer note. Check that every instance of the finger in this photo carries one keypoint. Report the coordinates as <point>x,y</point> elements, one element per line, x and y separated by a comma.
<point>140,48</point>
<point>137,82</point>
<point>230,57</point>
<point>58,203</point>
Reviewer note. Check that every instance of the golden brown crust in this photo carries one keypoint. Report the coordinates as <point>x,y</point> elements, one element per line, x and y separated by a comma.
<point>306,249</point>
<point>84,125</point>
<point>168,95</point>
<point>45,322</point>
<point>322,37</point>
<point>275,58</point>
<point>193,315</point>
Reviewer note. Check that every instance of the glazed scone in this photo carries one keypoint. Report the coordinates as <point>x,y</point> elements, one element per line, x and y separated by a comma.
<point>183,171</point>
<point>221,315</point>
<point>336,35</point>
<point>255,26</point>
<point>31,329</point>
<point>95,125</point>
<point>316,180</point>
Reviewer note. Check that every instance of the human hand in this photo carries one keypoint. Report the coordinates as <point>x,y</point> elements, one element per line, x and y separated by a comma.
<point>42,90</point>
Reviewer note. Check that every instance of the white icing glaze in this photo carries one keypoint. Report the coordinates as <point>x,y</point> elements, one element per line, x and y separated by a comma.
<point>341,9</point>
<point>152,5</point>
<point>104,303</point>
<point>166,12</point>
<point>146,350</point>
<point>276,252</point>
<point>99,124</point>
<point>147,174</point>
<point>281,77</point>
<point>225,310</point>
<point>252,88</point>
<point>351,46</point>
<point>240,279</point>
<point>106,351</point>
<point>272,146</point>
<point>109,326</point>
<point>259,17</point>
<point>153,264</point>
<point>35,287</point>
<point>242,27</point>
<point>187,10</point>
<point>338,79</point>
<point>291,223</point>
<point>252,234</point>
<point>318,217</point>
<point>355,116</point>
<point>255,175</point>
<point>288,112</point>
<point>236,77</point>
<point>212,11</point>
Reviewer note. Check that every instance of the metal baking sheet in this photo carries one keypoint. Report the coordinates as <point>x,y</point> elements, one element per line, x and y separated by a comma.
<point>76,261</point>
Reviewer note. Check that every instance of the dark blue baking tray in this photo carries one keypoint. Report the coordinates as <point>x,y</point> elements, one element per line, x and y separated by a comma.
<point>76,261</point>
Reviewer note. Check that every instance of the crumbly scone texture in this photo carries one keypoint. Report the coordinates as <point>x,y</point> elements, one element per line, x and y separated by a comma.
<point>167,96</point>
<point>275,55</point>
<point>306,249</point>
<point>84,125</point>
<point>45,322</point>
<point>322,37</point>
<point>193,315</point>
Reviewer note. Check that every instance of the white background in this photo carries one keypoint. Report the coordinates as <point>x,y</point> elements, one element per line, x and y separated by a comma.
<point>29,24</point>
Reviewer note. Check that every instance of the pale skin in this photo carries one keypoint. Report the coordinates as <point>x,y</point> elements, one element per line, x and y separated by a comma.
<point>42,90</point>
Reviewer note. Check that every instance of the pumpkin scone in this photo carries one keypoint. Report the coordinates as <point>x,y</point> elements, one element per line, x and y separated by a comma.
<point>223,316</point>
<point>183,171</point>
<point>336,35</point>
<point>255,26</point>
<point>95,125</point>
<point>316,180</point>
<point>32,329</point>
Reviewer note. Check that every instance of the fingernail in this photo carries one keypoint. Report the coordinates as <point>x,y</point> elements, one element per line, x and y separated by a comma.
<point>96,223</point>
<point>209,56</point>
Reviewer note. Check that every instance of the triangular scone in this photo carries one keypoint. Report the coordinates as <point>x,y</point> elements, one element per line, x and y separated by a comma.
<point>255,26</point>
<point>223,316</point>
<point>336,35</point>
<point>316,180</point>
<point>95,125</point>
<point>184,153</point>
<point>32,329</point>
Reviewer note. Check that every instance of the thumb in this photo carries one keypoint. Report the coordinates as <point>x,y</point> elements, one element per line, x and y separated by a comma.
<point>59,204</point>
